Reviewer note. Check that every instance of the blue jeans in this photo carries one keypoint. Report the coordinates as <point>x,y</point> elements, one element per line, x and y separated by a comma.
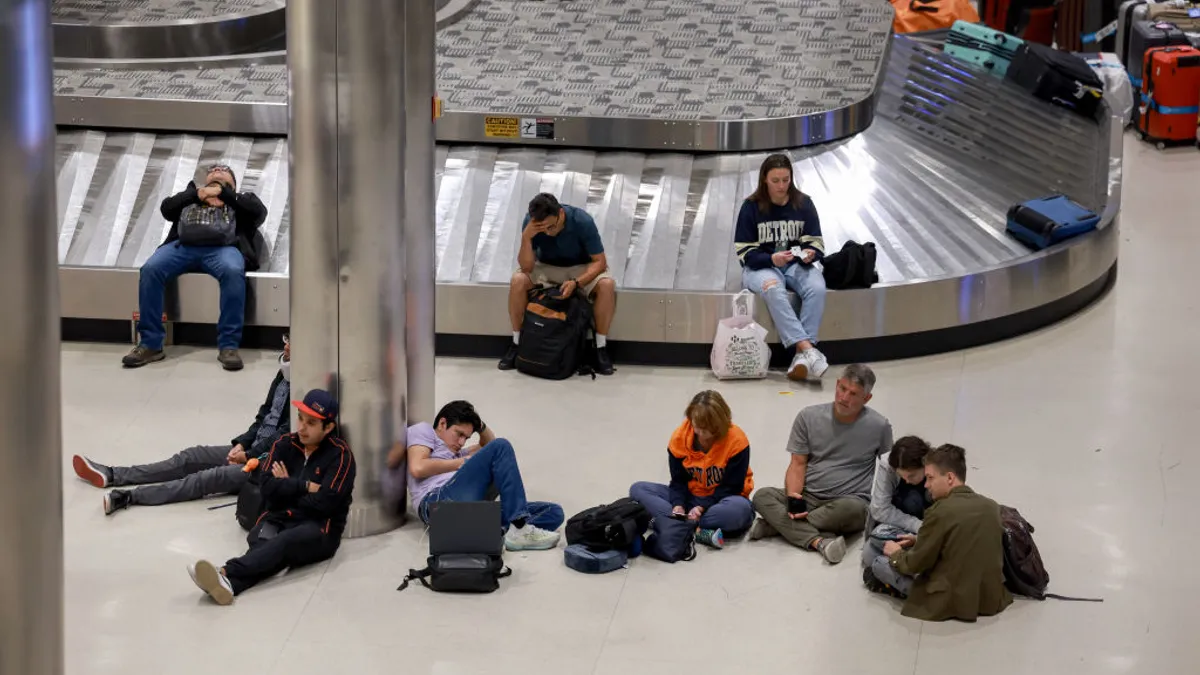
<point>807,282</point>
<point>224,263</point>
<point>495,464</point>
<point>732,514</point>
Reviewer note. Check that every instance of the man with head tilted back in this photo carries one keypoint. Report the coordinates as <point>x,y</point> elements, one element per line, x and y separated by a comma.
<point>213,230</point>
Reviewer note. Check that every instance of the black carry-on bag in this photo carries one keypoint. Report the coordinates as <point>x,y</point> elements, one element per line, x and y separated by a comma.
<point>554,335</point>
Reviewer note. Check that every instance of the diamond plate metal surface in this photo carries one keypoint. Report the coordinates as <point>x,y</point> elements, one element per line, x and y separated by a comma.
<point>703,59</point>
<point>131,12</point>
<point>659,59</point>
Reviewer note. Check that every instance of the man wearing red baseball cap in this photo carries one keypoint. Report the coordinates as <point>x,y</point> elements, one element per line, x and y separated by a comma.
<point>307,486</point>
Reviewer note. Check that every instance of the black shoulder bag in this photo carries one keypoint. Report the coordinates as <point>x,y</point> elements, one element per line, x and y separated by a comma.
<point>460,573</point>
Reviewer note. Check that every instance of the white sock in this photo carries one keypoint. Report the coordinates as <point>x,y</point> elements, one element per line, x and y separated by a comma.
<point>601,341</point>
<point>516,337</point>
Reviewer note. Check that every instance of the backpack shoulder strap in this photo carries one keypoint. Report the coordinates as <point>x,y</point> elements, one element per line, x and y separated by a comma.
<point>419,575</point>
<point>506,572</point>
<point>1071,598</point>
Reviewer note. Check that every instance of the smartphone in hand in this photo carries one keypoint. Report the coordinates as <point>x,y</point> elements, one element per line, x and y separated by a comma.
<point>797,505</point>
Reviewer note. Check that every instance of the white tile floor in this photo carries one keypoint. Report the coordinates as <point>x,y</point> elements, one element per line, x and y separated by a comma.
<point>1084,426</point>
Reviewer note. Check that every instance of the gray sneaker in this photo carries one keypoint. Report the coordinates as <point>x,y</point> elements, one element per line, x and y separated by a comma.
<point>116,500</point>
<point>833,550</point>
<point>230,359</point>
<point>141,355</point>
<point>209,579</point>
<point>761,529</point>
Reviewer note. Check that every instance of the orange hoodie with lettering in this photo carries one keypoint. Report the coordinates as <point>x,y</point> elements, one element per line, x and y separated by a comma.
<point>703,478</point>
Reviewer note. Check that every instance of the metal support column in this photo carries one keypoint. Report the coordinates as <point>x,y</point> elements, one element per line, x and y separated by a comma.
<point>420,260</point>
<point>31,561</point>
<point>348,63</point>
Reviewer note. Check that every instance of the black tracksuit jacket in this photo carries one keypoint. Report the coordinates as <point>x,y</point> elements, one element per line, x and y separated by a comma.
<point>287,501</point>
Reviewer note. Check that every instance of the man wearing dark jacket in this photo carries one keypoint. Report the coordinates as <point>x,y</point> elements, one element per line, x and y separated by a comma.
<point>954,567</point>
<point>213,230</point>
<point>307,487</point>
<point>201,470</point>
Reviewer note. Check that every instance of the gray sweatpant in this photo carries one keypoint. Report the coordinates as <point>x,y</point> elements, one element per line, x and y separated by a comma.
<point>826,518</point>
<point>195,473</point>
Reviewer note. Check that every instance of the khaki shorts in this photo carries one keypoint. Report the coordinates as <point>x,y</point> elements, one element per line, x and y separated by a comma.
<point>547,275</point>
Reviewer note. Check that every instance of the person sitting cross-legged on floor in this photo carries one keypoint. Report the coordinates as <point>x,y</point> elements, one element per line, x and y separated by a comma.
<point>307,484</point>
<point>828,482</point>
<point>201,470</point>
<point>709,459</point>
<point>954,567</point>
<point>898,502</point>
<point>441,469</point>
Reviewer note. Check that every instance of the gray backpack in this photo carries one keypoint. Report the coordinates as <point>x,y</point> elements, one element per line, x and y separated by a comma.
<point>203,225</point>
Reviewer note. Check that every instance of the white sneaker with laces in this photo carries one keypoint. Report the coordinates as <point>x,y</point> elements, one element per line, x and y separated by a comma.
<point>802,362</point>
<point>209,579</point>
<point>818,366</point>
<point>530,538</point>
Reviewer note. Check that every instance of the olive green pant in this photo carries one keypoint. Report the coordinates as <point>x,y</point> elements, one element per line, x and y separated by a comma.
<point>826,517</point>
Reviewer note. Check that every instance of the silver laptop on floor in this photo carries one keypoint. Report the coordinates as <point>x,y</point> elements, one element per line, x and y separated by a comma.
<point>465,527</point>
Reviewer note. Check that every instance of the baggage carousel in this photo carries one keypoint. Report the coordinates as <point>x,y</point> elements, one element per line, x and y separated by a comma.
<point>656,124</point>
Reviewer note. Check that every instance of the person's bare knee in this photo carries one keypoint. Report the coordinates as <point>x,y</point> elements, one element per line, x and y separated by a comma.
<point>521,282</point>
<point>769,284</point>
<point>606,288</point>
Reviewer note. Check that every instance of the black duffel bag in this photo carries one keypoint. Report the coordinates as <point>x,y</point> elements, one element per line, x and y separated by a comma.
<point>460,573</point>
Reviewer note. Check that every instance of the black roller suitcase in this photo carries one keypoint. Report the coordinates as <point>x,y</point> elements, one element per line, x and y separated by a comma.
<point>1147,34</point>
<point>1058,77</point>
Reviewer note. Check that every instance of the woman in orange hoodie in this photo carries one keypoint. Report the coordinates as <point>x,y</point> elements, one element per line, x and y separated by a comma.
<point>709,458</point>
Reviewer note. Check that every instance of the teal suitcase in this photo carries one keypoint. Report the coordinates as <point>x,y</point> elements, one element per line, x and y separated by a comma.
<point>987,48</point>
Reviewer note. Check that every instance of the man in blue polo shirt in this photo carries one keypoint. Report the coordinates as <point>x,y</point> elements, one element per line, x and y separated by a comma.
<point>560,245</point>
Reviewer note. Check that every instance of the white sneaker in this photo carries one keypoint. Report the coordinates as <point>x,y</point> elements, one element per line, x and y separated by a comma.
<point>530,538</point>
<point>819,364</point>
<point>210,580</point>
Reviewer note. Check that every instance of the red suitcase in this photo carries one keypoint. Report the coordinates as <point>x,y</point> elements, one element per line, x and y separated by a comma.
<point>1170,95</point>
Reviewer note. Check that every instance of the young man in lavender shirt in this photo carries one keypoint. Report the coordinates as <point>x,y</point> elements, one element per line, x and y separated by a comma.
<point>441,469</point>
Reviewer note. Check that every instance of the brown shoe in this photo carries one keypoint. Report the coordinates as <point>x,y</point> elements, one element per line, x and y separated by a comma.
<point>141,355</point>
<point>230,359</point>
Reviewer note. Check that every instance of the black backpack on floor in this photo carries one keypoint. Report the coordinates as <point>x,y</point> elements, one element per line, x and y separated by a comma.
<point>609,527</point>
<point>554,335</point>
<point>1024,572</point>
<point>851,267</point>
<point>249,505</point>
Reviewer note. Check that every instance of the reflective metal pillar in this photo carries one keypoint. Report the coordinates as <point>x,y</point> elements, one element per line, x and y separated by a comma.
<point>350,120</point>
<point>31,553</point>
<point>420,263</point>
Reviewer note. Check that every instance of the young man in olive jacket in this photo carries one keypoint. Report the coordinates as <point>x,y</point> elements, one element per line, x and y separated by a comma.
<point>954,567</point>
<point>214,230</point>
<point>307,486</point>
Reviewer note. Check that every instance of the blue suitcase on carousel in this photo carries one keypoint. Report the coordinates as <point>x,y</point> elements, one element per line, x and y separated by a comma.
<point>1044,222</point>
<point>989,49</point>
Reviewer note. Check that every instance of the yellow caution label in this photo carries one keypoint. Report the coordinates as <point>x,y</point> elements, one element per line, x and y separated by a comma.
<point>502,127</point>
<point>437,107</point>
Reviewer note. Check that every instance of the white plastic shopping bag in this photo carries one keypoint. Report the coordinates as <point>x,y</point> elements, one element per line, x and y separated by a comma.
<point>740,349</point>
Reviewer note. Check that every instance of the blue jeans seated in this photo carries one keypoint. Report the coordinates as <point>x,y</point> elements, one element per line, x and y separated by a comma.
<point>223,263</point>
<point>733,515</point>
<point>772,284</point>
<point>879,563</point>
<point>494,469</point>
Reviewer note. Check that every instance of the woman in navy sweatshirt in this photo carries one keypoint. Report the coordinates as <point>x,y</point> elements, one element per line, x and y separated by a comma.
<point>778,241</point>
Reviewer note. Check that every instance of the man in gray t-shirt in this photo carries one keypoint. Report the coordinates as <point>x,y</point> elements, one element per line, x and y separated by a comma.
<point>828,483</point>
